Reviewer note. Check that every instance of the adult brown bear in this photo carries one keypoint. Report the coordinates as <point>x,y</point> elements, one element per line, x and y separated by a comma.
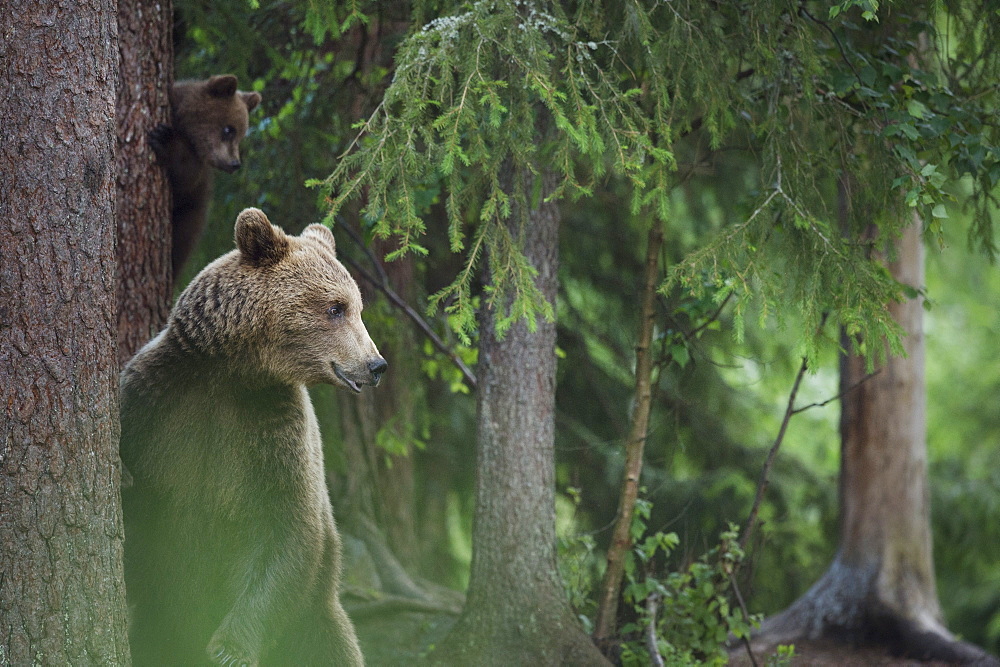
<point>231,551</point>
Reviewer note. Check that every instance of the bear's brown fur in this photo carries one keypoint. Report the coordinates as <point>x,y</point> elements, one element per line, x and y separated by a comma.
<point>210,118</point>
<point>231,551</point>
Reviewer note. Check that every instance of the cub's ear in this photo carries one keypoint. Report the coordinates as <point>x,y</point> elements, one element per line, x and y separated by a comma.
<point>322,234</point>
<point>222,85</point>
<point>260,243</point>
<point>251,100</point>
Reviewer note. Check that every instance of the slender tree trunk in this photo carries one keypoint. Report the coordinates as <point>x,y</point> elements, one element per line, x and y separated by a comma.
<point>880,587</point>
<point>62,597</point>
<point>621,539</point>
<point>146,69</point>
<point>516,612</point>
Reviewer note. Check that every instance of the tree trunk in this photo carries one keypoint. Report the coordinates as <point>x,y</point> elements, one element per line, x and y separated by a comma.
<point>143,215</point>
<point>516,612</point>
<point>621,539</point>
<point>62,597</point>
<point>880,588</point>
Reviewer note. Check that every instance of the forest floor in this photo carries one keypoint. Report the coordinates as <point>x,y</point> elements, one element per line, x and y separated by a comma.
<point>404,638</point>
<point>400,638</point>
<point>826,653</point>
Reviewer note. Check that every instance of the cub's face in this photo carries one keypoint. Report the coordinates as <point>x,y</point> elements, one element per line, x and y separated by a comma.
<point>311,306</point>
<point>214,116</point>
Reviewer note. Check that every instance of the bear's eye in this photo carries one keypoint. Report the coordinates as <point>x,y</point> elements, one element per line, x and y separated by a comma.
<point>228,132</point>
<point>337,310</point>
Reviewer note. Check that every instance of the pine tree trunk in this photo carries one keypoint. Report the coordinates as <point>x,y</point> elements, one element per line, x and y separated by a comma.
<point>880,588</point>
<point>516,612</point>
<point>143,207</point>
<point>62,597</point>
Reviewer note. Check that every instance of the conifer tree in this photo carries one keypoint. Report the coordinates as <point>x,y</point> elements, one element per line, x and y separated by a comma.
<point>815,92</point>
<point>62,594</point>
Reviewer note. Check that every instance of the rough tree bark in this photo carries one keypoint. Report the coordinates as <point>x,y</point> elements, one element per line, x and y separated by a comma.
<point>143,216</point>
<point>880,588</point>
<point>516,612</point>
<point>62,597</point>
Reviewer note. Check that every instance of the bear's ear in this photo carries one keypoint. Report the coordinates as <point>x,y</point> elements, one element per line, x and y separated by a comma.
<point>251,100</point>
<point>222,85</point>
<point>260,242</point>
<point>322,234</point>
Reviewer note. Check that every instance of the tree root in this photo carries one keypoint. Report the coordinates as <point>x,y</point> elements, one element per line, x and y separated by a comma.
<point>394,604</point>
<point>877,626</point>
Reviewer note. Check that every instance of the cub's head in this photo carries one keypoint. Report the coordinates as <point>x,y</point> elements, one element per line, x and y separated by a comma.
<point>213,115</point>
<point>280,306</point>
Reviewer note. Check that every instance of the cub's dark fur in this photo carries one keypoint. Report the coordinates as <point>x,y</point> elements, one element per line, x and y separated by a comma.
<point>210,118</point>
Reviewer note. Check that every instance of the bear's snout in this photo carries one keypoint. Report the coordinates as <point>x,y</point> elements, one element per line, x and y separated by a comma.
<point>377,366</point>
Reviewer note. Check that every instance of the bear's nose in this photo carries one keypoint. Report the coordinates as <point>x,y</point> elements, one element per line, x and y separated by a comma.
<point>377,367</point>
<point>234,165</point>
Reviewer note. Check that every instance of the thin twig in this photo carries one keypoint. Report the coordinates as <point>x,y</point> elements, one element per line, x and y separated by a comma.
<point>746,616</point>
<point>712,318</point>
<point>838,396</point>
<point>425,328</point>
<point>789,412</point>
<point>377,265</point>
<point>762,486</point>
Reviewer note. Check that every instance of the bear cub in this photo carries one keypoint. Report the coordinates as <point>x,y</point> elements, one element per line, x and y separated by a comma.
<point>210,118</point>
<point>232,555</point>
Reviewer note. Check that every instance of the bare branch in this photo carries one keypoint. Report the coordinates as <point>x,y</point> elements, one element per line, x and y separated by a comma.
<point>838,396</point>
<point>746,616</point>
<point>762,486</point>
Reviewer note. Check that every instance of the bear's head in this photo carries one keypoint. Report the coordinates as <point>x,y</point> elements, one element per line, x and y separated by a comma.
<point>281,308</point>
<point>213,116</point>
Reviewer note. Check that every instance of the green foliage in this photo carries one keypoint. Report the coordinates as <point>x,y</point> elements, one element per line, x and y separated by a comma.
<point>783,655</point>
<point>869,8</point>
<point>500,90</point>
<point>578,560</point>
<point>963,427</point>
<point>695,616</point>
<point>437,366</point>
<point>478,105</point>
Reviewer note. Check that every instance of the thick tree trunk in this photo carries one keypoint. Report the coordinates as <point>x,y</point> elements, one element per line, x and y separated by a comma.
<point>143,215</point>
<point>880,588</point>
<point>62,597</point>
<point>516,612</point>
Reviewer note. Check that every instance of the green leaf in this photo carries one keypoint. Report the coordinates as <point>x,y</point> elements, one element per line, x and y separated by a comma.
<point>679,353</point>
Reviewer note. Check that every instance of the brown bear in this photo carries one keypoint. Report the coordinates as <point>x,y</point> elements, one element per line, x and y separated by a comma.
<point>231,551</point>
<point>210,118</point>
